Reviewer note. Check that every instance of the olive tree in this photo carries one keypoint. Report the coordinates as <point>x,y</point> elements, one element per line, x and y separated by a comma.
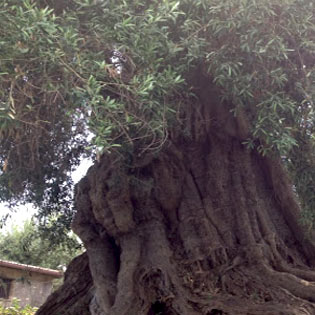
<point>202,119</point>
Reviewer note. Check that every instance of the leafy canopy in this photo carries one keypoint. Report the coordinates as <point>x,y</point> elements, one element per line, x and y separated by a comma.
<point>57,82</point>
<point>26,246</point>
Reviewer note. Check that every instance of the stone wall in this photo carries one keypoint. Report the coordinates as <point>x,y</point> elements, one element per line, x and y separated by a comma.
<point>27,286</point>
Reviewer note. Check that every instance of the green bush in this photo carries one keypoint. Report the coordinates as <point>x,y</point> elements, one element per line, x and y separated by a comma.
<point>16,309</point>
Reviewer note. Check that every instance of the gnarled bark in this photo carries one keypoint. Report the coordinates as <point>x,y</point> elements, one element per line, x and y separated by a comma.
<point>204,227</point>
<point>74,296</point>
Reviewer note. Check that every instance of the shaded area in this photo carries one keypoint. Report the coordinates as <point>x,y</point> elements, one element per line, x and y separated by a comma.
<point>158,308</point>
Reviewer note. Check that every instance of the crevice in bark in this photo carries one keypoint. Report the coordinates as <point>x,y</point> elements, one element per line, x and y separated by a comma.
<point>215,312</point>
<point>157,308</point>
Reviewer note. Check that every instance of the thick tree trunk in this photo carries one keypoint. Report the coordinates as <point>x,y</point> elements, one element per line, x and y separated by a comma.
<point>204,227</point>
<point>74,296</point>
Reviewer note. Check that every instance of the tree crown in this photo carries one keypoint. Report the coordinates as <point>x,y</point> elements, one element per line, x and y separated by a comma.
<point>120,70</point>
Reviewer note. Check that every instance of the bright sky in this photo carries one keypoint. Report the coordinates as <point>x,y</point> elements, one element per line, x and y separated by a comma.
<point>27,211</point>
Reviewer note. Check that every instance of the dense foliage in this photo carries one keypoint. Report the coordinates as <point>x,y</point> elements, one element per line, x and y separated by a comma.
<point>58,82</point>
<point>26,246</point>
